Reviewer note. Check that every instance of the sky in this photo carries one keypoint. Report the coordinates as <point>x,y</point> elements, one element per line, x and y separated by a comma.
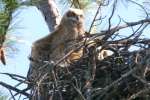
<point>29,25</point>
<point>26,26</point>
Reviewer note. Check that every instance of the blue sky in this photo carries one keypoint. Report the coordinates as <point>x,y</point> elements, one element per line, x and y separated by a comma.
<point>28,25</point>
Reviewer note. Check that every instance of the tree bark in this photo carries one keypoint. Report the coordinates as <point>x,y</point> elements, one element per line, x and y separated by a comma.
<point>51,13</point>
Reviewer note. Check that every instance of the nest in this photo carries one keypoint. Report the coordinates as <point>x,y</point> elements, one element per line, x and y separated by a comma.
<point>125,75</point>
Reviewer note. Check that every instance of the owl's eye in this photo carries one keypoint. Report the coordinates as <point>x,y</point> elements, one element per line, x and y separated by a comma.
<point>81,16</point>
<point>71,14</point>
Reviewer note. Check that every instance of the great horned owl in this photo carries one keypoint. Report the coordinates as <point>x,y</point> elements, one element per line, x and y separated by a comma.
<point>58,43</point>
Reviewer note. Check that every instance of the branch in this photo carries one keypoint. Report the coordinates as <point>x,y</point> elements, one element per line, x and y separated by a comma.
<point>107,33</point>
<point>14,89</point>
<point>15,77</point>
<point>128,24</point>
<point>95,18</point>
<point>51,13</point>
<point>142,92</point>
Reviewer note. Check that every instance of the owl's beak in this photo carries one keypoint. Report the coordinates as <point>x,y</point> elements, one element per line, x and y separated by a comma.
<point>79,20</point>
<point>79,23</point>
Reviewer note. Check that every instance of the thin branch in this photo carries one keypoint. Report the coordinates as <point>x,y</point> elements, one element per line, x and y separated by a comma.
<point>112,13</point>
<point>79,92</point>
<point>14,89</point>
<point>15,77</point>
<point>12,96</point>
<point>141,92</point>
<point>97,12</point>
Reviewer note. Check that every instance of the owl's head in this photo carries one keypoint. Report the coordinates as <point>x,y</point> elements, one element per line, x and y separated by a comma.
<point>73,19</point>
<point>75,15</point>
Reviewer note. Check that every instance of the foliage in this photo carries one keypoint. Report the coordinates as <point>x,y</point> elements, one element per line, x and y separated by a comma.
<point>5,16</point>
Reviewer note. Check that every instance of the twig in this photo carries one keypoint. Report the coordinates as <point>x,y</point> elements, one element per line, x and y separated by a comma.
<point>105,89</point>
<point>13,75</point>
<point>79,92</point>
<point>113,11</point>
<point>95,17</point>
<point>14,89</point>
<point>24,90</point>
<point>12,96</point>
<point>142,92</point>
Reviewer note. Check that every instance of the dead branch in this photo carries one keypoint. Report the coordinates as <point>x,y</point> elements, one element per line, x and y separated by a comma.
<point>14,89</point>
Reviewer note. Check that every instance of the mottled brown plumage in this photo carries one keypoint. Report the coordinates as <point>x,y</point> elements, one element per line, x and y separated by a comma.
<point>58,43</point>
<point>52,48</point>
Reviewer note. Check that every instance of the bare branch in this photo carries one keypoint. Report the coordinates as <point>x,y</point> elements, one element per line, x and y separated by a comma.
<point>14,89</point>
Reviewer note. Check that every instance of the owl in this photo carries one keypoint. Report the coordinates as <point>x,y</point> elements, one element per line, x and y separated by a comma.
<point>57,44</point>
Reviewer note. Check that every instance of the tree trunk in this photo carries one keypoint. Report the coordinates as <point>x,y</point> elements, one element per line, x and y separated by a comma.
<point>51,13</point>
